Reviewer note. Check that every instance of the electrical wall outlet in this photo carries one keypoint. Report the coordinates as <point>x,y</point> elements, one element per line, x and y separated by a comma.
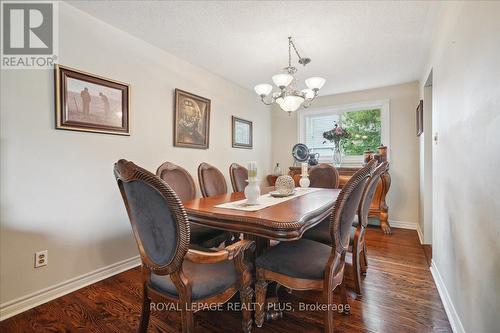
<point>41,258</point>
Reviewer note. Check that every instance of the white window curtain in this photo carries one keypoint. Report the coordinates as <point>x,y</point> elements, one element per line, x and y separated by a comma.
<point>316,125</point>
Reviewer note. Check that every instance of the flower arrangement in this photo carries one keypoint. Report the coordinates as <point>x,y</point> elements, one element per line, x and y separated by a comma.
<point>337,135</point>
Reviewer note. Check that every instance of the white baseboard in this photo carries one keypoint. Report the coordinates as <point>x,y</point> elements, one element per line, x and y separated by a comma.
<point>403,224</point>
<point>13,307</point>
<point>420,234</point>
<point>453,318</point>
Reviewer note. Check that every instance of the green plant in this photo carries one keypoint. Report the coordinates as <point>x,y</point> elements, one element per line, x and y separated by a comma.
<point>364,129</point>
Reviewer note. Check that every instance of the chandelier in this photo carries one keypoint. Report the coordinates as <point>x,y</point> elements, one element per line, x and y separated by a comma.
<point>288,97</point>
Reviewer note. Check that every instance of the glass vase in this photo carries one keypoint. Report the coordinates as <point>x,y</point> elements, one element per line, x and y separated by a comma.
<point>337,156</point>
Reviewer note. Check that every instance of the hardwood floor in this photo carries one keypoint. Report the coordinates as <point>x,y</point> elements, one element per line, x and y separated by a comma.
<point>399,295</point>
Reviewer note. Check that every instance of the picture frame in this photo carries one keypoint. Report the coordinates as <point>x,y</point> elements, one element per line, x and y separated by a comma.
<point>91,103</point>
<point>420,117</point>
<point>191,120</point>
<point>241,133</point>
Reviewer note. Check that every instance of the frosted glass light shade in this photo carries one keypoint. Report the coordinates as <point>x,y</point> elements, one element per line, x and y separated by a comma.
<point>315,82</point>
<point>263,89</point>
<point>290,103</point>
<point>282,80</point>
<point>309,93</point>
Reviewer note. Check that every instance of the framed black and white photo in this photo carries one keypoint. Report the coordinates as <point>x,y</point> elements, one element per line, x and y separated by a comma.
<point>91,103</point>
<point>242,133</point>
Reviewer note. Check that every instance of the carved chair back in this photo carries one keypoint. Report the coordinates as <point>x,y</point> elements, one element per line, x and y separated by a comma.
<point>178,179</point>
<point>324,176</point>
<point>369,192</point>
<point>159,221</point>
<point>239,175</point>
<point>346,207</point>
<point>212,181</point>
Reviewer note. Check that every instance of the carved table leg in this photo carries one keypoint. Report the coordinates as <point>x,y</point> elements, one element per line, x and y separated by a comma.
<point>384,209</point>
<point>260,299</point>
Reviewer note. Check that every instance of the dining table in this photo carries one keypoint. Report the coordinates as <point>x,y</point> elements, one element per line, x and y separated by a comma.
<point>284,221</point>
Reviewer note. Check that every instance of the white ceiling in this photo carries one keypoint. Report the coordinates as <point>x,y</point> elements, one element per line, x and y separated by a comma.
<point>353,44</point>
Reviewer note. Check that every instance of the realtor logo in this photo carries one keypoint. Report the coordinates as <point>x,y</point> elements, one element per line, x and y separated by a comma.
<point>29,34</point>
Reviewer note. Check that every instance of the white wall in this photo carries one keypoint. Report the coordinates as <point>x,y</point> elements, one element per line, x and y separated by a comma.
<point>58,191</point>
<point>425,149</point>
<point>403,194</point>
<point>465,64</point>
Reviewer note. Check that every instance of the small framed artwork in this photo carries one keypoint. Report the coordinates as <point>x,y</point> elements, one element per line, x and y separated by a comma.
<point>420,117</point>
<point>242,133</point>
<point>91,103</point>
<point>191,120</point>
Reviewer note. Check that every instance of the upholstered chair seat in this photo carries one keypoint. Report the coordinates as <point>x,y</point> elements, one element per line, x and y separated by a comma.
<point>206,279</point>
<point>303,259</point>
<point>321,233</point>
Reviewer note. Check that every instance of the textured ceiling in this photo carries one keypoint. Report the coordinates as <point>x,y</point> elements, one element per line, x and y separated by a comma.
<point>353,44</point>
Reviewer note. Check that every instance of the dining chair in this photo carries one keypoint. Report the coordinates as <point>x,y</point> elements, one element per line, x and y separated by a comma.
<point>183,185</point>
<point>324,176</point>
<point>357,241</point>
<point>212,181</point>
<point>308,265</point>
<point>239,176</point>
<point>358,261</point>
<point>171,272</point>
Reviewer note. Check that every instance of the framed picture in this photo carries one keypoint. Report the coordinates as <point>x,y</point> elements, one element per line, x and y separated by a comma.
<point>420,117</point>
<point>242,133</point>
<point>191,120</point>
<point>91,103</point>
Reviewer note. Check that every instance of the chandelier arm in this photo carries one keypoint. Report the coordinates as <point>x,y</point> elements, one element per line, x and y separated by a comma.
<point>295,48</point>
<point>267,103</point>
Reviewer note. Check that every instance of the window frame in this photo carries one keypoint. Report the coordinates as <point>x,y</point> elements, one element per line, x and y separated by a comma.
<point>385,121</point>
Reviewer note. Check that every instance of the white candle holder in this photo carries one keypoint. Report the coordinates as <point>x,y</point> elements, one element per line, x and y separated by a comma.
<point>304,181</point>
<point>252,192</point>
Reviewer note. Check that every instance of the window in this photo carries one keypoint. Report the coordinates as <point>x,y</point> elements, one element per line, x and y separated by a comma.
<point>368,124</point>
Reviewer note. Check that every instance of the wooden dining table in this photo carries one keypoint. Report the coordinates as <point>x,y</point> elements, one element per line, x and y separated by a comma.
<point>285,221</point>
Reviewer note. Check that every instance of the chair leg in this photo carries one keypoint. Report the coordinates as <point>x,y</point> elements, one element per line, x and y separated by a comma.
<point>343,297</point>
<point>143,326</point>
<point>187,318</point>
<point>246,295</point>
<point>356,270</point>
<point>260,299</point>
<point>365,258</point>
<point>328,315</point>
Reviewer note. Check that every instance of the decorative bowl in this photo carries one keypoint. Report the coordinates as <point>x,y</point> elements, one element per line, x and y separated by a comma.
<point>285,185</point>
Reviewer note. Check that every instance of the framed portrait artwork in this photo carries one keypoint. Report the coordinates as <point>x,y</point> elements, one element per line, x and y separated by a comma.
<point>420,117</point>
<point>242,133</point>
<point>191,120</point>
<point>91,103</point>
